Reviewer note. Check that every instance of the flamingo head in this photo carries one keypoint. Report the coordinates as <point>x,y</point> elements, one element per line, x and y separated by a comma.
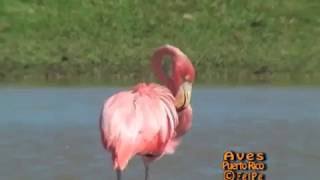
<point>183,78</point>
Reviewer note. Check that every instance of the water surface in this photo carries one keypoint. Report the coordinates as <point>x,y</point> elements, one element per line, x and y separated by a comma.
<point>52,133</point>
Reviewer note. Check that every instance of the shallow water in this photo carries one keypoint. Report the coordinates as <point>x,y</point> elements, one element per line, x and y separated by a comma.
<point>52,133</point>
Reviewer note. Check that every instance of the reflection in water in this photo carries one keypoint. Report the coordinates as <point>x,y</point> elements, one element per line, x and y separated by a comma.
<point>52,133</point>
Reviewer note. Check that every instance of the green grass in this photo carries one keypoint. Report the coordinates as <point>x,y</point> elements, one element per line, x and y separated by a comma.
<point>109,41</point>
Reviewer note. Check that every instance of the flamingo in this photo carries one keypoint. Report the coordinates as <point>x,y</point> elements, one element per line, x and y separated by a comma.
<point>149,119</point>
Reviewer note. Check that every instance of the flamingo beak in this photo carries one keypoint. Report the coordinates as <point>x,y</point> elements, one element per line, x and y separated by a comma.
<point>183,96</point>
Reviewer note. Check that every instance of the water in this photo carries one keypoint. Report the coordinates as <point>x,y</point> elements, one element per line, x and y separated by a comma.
<point>52,134</point>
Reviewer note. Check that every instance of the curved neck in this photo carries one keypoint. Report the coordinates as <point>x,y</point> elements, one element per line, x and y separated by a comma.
<point>156,65</point>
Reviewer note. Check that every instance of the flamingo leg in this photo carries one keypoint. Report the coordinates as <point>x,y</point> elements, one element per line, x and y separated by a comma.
<point>118,174</point>
<point>146,177</point>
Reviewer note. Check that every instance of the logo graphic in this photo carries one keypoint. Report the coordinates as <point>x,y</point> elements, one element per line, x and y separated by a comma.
<point>244,165</point>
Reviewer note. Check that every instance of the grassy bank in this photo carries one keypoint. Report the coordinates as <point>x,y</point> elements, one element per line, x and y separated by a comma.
<point>110,41</point>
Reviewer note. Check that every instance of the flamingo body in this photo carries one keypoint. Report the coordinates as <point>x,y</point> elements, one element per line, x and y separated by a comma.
<point>139,121</point>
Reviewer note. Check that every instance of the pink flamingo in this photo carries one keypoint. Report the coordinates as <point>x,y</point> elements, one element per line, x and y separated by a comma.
<point>149,119</point>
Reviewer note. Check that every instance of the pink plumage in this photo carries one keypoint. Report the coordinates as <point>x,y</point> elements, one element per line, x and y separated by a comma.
<point>139,121</point>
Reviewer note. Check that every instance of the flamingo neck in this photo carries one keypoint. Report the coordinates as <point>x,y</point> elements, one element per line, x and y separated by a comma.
<point>156,64</point>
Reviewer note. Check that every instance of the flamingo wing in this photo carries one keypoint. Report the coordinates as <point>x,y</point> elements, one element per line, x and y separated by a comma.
<point>139,121</point>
